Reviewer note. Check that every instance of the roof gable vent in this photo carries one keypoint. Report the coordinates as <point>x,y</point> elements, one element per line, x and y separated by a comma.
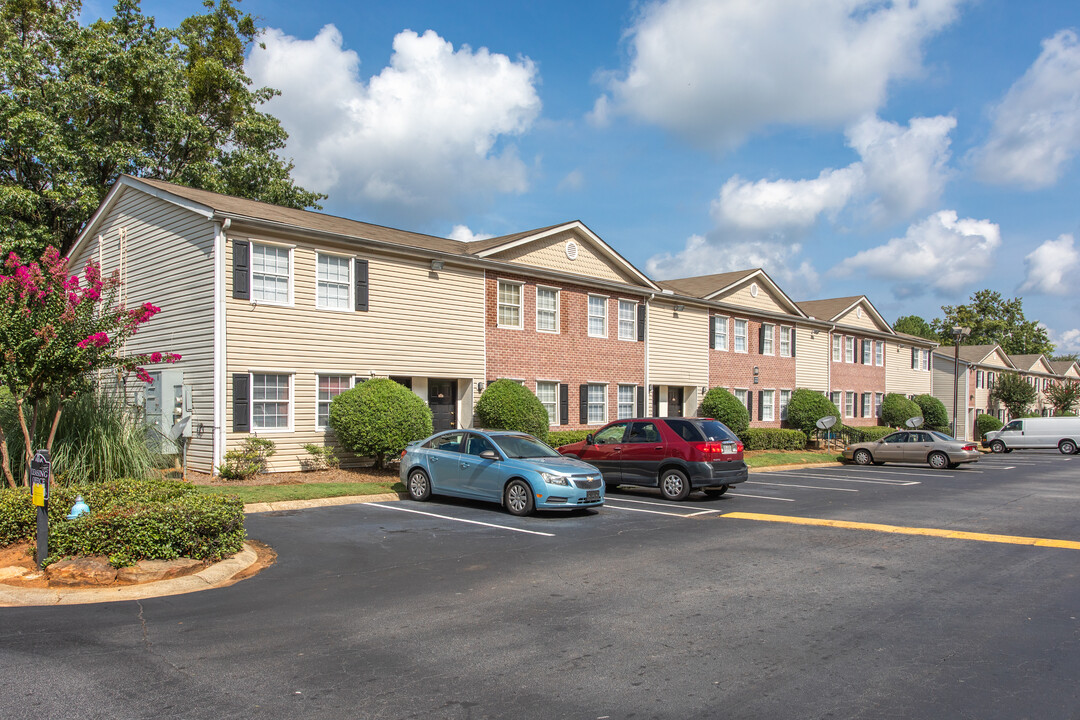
<point>571,250</point>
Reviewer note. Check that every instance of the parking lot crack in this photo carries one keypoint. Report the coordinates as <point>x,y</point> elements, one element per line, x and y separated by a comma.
<point>148,644</point>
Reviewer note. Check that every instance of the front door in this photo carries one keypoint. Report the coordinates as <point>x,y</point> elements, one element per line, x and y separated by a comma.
<point>442,399</point>
<point>674,401</point>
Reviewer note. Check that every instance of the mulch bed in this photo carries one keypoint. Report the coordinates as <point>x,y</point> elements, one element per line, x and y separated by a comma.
<point>336,475</point>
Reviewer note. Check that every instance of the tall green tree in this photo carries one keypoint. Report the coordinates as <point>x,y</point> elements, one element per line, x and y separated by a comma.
<point>1014,392</point>
<point>914,325</point>
<point>993,319</point>
<point>80,105</point>
<point>1064,396</point>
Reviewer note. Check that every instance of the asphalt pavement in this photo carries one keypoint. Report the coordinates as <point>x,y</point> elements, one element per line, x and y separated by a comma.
<point>709,608</point>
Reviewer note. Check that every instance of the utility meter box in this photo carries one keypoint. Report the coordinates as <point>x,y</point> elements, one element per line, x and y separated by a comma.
<point>168,409</point>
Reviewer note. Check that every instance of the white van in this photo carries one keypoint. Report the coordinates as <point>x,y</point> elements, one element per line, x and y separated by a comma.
<point>1062,433</point>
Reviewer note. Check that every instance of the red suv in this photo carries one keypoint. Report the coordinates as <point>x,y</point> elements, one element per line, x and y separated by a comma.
<point>675,454</point>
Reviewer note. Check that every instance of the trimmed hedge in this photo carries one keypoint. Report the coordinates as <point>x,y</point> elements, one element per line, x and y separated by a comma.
<point>866,434</point>
<point>378,418</point>
<point>896,410</point>
<point>807,407</point>
<point>773,439</point>
<point>507,405</point>
<point>721,405</point>
<point>934,414</point>
<point>559,438</point>
<point>986,423</point>
<point>130,520</point>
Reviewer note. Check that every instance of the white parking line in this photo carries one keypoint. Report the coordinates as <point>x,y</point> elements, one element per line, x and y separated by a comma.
<point>651,512</point>
<point>760,497</point>
<point>897,483</point>
<point>897,471</point>
<point>644,502</point>
<point>808,487</point>
<point>462,520</point>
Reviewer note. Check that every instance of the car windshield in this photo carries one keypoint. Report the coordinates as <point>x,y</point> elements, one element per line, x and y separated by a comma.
<point>701,430</point>
<point>942,436</point>
<point>523,446</point>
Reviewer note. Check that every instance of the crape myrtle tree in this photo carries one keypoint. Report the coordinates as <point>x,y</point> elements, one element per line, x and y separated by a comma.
<point>56,334</point>
<point>1014,392</point>
<point>80,105</point>
<point>1064,396</point>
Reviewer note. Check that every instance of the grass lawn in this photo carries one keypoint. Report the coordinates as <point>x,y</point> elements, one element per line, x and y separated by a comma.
<point>767,458</point>
<point>304,491</point>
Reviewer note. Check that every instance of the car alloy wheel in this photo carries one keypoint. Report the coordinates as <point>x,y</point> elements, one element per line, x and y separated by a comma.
<point>938,460</point>
<point>419,485</point>
<point>997,446</point>
<point>674,485</point>
<point>518,498</point>
<point>862,457</point>
<point>1067,447</point>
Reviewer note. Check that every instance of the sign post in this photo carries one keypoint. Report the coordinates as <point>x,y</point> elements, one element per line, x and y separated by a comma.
<point>40,474</point>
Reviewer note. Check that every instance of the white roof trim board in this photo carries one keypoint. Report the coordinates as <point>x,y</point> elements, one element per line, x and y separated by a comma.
<point>772,285</point>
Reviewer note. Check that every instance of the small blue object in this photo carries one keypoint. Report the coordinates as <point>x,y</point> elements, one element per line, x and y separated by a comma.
<point>78,508</point>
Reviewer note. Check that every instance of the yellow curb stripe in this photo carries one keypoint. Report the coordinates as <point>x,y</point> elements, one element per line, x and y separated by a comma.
<point>931,532</point>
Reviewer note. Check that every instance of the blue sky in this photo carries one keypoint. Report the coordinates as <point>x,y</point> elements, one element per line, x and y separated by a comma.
<point>912,152</point>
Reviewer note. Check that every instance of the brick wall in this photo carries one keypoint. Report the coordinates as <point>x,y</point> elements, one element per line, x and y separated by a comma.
<point>735,370</point>
<point>570,356</point>
<point>857,378</point>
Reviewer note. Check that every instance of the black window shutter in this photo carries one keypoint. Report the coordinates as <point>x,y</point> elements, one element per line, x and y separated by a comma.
<point>361,285</point>
<point>241,409</point>
<point>712,333</point>
<point>792,342</point>
<point>914,362</point>
<point>583,404</point>
<point>564,404</point>
<point>641,401</point>
<point>760,405</point>
<point>750,403</point>
<point>761,340</point>
<point>241,270</point>
<point>641,323</point>
<point>858,404</point>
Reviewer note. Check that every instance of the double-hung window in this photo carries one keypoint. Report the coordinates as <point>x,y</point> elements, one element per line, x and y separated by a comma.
<point>836,342</point>
<point>834,398</point>
<point>271,401</point>
<point>878,399</point>
<point>866,352</point>
<point>333,279</point>
<point>329,387</point>
<point>626,401</point>
<point>785,398</point>
<point>849,349</point>
<point>849,404</point>
<point>785,341</point>
<point>627,320</point>
<point>547,393</point>
<point>597,316</point>
<point>740,336</point>
<point>597,399</point>
<point>867,410</point>
<point>926,360</point>
<point>720,330</point>
<point>547,309</point>
<point>509,304</point>
<point>741,396</point>
<point>768,336</point>
<point>270,276</point>
<point>879,353</point>
<point>979,379</point>
<point>767,405</point>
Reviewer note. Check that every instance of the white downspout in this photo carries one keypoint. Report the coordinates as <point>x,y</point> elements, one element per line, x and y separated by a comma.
<point>220,386</point>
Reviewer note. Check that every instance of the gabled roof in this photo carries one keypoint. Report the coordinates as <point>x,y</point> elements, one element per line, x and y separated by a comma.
<point>976,354</point>
<point>711,287</point>
<point>914,338</point>
<point>1063,366</point>
<point>832,309</point>
<point>1028,362</point>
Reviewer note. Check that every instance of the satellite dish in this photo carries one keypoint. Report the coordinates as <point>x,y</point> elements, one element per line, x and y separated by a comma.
<point>914,422</point>
<point>827,422</point>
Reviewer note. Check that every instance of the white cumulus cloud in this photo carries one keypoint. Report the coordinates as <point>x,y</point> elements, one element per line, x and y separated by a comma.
<point>1067,341</point>
<point>464,234</point>
<point>1053,267</point>
<point>420,138</point>
<point>770,205</point>
<point>943,253</point>
<point>715,71</point>
<point>1036,127</point>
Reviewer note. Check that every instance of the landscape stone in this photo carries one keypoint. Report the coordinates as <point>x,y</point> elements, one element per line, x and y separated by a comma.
<point>12,571</point>
<point>81,571</point>
<point>154,570</point>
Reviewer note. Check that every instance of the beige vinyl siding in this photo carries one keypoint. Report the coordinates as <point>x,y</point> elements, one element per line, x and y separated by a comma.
<point>168,260</point>
<point>812,359</point>
<point>420,324</point>
<point>866,322</point>
<point>678,345</point>
<point>742,297</point>
<point>900,377</point>
<point>942,370</point>
<point>550,253</point>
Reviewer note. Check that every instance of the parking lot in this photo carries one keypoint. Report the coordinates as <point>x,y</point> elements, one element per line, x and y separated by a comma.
<point>840,592</point>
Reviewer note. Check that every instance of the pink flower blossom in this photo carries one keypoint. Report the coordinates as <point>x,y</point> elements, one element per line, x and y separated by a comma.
<point>97,340</point>
<point>143,375</point>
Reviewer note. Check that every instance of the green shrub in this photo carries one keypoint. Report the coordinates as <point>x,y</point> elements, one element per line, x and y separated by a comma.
<point>934,414</point>
<point>247,461</point>
<point>807,407</point>
<point>378,418</point>
<point>986,423</point>
<point>507,405</point>
<point>130,520</point>
<point>558,438</point>
<point>721,405</point>
<point>896,410</point>
<point>773,439</point>
<point>866,433</point>
<point>320,457</point>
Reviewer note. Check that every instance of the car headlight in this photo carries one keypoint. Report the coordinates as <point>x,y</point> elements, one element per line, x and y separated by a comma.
<point>555,479</point>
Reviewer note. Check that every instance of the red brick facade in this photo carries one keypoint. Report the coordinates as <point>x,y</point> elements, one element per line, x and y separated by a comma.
<point>857,379</point>
<point>570,356</point>
<point>733,370</point>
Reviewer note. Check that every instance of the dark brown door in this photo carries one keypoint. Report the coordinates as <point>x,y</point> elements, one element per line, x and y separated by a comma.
<point>674,401</point>
<point>442,399</point>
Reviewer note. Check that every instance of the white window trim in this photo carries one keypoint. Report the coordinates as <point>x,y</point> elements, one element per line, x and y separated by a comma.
<point>838,348</point>
<point>520,306</point>
<point>879,353</point>
<point>734,324</point>
<point>727,331</point>
<point>350,305</point>
<point>318,374</point>
<point>589,315</point>
<point>785,332</point>
<point>558,308</point>
<point>618,320</point>
<point>771,335</point>
<point>849,395</point>
<point>781,409</point>
<point>251,402</point>
<point>633,400</point>
<point>849,344</point>
<point>553,418</point>
<point>867,405</point>
<point>251,272</point>
<point>772,406</point>
<point>588,404</point>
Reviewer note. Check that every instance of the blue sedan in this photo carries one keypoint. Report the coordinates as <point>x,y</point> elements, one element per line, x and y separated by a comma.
<point>511,468</point>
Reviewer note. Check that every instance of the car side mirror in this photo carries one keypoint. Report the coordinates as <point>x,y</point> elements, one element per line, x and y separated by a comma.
<point>489,455</point>
<point>590,440</point>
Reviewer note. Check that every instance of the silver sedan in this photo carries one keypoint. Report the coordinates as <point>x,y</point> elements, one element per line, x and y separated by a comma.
<point>914,446</point>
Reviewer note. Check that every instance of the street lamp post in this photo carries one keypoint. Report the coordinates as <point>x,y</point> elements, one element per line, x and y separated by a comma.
<point>958,334</point>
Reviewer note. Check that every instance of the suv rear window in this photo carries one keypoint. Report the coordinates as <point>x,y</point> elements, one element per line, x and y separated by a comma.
<point>701,430</point>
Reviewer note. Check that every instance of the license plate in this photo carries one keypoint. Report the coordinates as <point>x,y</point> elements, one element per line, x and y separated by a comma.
<point>592,496</point>
<point>729,448</point>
